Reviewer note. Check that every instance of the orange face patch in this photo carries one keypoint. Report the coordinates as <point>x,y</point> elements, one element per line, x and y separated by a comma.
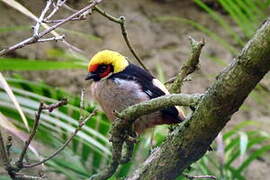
<point>93,68</point>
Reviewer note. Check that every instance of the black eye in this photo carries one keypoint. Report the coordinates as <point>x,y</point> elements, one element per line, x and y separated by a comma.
<point>102,68</point>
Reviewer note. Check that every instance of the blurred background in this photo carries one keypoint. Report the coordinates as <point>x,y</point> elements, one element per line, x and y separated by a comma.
<point>158,30</point>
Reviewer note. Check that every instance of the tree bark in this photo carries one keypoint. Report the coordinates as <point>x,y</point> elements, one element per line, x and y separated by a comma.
<point>190,141</point>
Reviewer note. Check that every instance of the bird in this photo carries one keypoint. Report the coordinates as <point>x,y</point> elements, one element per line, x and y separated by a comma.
<point>117,84</point>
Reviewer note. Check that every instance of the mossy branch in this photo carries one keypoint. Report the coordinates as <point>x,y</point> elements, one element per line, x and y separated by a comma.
<point>188,67</point>
<point>137,110</point>
<point>190,141</point>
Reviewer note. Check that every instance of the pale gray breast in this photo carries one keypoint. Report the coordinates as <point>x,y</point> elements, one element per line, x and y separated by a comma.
<point>117,94</point>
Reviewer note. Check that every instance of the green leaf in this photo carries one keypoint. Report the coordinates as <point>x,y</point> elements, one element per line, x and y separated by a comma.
<point>10,94</point>
<point>36,65</point>
<point>253,157</point>
<point>238,127</point>
<point>221,21</point>
<point>4,177</point>
<point>243,143</point>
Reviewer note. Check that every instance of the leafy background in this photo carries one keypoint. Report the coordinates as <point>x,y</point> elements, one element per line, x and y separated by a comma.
<point>53,72</point>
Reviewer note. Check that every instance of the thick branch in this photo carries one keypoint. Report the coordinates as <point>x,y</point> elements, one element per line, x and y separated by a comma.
<point>191,140</point>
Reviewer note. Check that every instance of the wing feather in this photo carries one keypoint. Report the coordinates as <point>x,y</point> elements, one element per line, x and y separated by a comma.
<point>151,86</point>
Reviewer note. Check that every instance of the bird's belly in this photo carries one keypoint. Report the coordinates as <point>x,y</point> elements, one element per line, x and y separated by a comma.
<point>119,94</point>
<point>116,95</point>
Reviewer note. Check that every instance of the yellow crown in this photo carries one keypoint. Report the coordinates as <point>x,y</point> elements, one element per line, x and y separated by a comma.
<point>118,61</point>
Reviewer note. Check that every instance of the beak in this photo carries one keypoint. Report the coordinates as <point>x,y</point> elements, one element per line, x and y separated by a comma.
<point>91,76</point>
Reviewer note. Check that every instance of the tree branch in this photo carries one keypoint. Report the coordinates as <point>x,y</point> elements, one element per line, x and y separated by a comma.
<point>81,124</point>
<point>133,112</point>
<point>41,18</point>
<point>36,37</point>
<point>189,66</point>
<point>30,138</point>
<point>3,153</point>
<point>190,140</point>
<point>52,39</point>
<point>57,6</point>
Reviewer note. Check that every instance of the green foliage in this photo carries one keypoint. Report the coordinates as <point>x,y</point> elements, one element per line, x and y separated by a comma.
<point>247,15</point>
<point>235,151</point>
<point>37,65</point>
<point>89,151</point>
<point>90,145</point>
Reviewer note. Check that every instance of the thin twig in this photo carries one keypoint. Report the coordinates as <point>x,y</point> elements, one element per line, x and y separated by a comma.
<point>199,177</point>
<point>81,124</point>
<point>51,107</point>
<point>189,66</point>
<point>122,22</point>
<point>3,153</point>
<point>40,19</point>
<point>56,8</point>
<point>60,20</point>
<point>132,50</point>
<point>82,103</point>
<point>33,133</point>
<point>52,39</point>
<point>34,39</point>
<point>9,145</point>
<point>107,15</point>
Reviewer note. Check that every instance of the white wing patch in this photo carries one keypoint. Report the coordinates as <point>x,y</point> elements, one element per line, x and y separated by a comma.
<point>149,93</point>
<point>158,84</point>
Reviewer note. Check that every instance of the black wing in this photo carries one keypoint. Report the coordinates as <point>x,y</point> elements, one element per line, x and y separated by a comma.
<point>145,79</point>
